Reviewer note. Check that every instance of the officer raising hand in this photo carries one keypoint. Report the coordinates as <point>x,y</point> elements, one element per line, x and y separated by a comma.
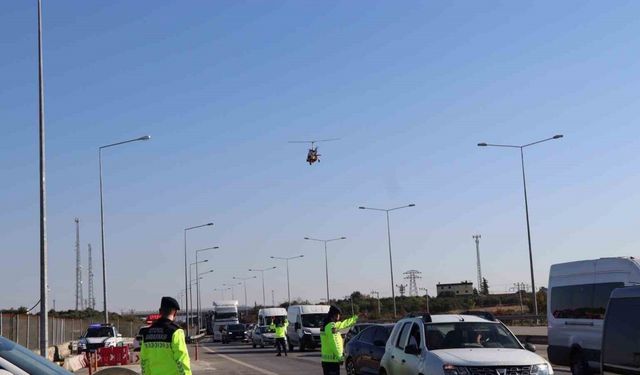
<point>164,350</point>
<point>332,344</point>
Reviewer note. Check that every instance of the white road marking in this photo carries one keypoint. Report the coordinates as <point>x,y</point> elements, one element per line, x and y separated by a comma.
<point>260,370</point>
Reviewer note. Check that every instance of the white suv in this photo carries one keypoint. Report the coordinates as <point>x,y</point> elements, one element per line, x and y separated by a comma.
<point>458,345</point>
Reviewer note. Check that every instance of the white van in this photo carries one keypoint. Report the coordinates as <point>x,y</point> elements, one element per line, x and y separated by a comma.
<point>576,304</point>
<point>620,344</point>
<point>305,322</point>
<point>267,314</point>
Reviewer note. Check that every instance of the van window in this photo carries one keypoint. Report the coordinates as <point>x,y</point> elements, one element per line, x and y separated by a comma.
<point>586,301</point>
<point>621,346</point>
<point>403,335</point>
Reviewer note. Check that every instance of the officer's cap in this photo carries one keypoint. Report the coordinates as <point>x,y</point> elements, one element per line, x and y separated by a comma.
<point>169,303</point>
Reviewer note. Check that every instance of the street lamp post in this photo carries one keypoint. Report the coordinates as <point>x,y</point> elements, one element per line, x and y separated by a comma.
<point>287,259</point>
<point>326,260</point>
<point>244,282</point>
<point>221,290</point>
<point>44,267</point>
<point>186,281</point>
<point>526,205</point>
<point>264,297</point>
<point>198,311</point>
<point>385,210</point>
<point>104,266</point>
<point>233,289</point>
<point>191,282</point>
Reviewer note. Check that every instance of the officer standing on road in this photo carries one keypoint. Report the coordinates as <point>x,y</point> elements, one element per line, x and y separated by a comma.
<point>331,340</point>
<point>163,350</point>
<point>280,328</point>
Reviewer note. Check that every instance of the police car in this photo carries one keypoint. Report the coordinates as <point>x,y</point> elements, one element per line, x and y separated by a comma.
<point>100,336</point>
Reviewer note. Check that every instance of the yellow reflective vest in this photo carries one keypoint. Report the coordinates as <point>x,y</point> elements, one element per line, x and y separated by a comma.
<point>332,344</point>
<point>163,350</point>
<point>280,329</point>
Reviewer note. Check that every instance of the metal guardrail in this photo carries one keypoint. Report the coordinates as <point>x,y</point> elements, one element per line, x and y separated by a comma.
<point>529,319</point>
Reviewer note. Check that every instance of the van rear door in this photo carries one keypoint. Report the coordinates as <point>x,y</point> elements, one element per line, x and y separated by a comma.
<point>621,337</point>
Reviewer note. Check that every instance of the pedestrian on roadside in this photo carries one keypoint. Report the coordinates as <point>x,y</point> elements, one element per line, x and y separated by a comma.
<point>332,344</point>
<point>164,350</point>
<point>280,328</point>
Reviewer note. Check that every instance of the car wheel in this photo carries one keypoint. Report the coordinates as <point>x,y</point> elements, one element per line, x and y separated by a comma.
<point>383,372</point>
<point>350,367</point>
<point>579,365</point>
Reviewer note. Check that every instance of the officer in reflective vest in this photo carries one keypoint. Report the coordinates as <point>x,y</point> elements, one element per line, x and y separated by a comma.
<point>163,350</point>
<point>332,344</point>
<point>280,329</point>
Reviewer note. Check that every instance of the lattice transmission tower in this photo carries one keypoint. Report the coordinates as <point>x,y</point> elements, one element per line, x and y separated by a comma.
<point>413,276</point>
<point>477,237</point>
<point>79,297</point>
<point>91,301</point>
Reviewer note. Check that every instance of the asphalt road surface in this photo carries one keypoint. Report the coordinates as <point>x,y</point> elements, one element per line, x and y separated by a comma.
<point>242,359</point>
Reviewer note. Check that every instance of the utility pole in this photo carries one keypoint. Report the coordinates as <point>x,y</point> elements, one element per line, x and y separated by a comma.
<point>91,300</point>
<point>519,287</point>
<point>377,294</point>
<point>79,296</point>
<point>477,237</point>
<point>426,296</point>
<point>273,297</point>
<point>401,289</point>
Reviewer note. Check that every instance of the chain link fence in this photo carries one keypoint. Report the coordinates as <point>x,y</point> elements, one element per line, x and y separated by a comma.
<point>25,329</point>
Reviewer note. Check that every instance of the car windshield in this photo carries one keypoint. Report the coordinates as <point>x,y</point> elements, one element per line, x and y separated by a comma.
<point>27,360</point>
<point>236,327</point>
<point>469,335</point>
<point>99,332</point>
<point>313,320</point>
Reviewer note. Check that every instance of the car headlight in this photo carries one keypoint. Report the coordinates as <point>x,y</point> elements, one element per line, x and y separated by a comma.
<point>307,332</point>
<point>541,369</point>
<point>455,370</point>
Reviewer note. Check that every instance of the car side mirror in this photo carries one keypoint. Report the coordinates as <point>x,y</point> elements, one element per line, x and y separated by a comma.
<point>412,349</point>
<point>530,347</point>
<point>297,326</point>
<point>379,343</point>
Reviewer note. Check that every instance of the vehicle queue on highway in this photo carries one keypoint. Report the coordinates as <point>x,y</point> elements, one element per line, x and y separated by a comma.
<point>593,326</point>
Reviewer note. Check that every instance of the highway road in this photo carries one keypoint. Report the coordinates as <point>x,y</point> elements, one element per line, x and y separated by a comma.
<point>242,359</point>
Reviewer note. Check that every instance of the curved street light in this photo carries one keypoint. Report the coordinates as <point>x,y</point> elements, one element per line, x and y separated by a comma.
<point>186,282</point>
<point>326,260</point>
<point>387,210</point>
<point>287,259</point>
<point>264,298</point>
<point>526,204</point>
<point>104,267</point>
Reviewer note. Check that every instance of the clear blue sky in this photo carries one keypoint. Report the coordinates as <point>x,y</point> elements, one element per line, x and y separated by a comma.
<point>410,88</point>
